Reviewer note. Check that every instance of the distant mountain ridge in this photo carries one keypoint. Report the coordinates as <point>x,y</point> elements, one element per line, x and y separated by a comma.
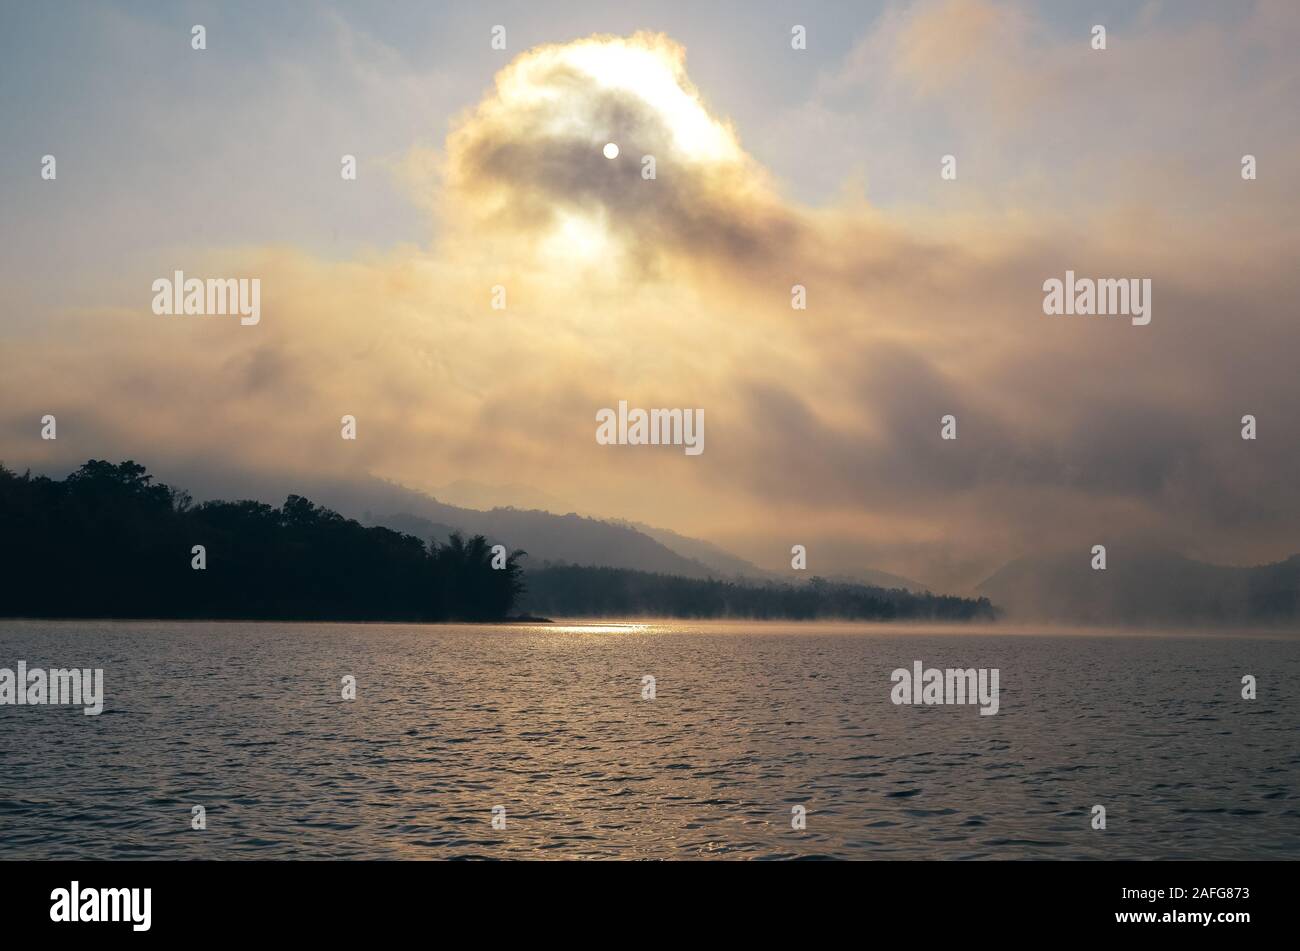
<point>569,539</point>
<point>468,494</point>
<point>718,560</point>
<point>1145,587</point>
<point>560,539</point>
<point>733,566</point>
<point>546,536</point>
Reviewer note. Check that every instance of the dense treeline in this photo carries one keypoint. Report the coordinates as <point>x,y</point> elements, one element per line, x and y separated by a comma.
<point>108,541</point>
<point>573,591</point>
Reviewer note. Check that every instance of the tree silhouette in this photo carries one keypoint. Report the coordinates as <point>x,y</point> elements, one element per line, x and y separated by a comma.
<point>577,591</point>
<point>463,570</point>
<point>108,541</point>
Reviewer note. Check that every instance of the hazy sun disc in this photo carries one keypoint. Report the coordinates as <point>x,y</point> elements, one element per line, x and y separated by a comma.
<point>611,150</point>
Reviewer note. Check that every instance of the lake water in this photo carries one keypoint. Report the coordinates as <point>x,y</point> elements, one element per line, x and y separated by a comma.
<point>548,721</point>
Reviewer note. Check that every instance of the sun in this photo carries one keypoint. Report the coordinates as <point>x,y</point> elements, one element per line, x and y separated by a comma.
<point>533,149</point>
<point>582,237</point>
<point>649,67</point>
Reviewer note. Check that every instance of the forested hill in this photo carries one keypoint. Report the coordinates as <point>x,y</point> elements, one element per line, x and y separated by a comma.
<point>575,591</point>
<point>108,541</point>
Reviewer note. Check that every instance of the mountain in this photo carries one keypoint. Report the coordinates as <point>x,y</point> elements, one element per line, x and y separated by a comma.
<point>727,565</point>
<point>878,579</point>
<point>718,560</point>
<point>1145,587</point>
<point>546,536</point>
<point>565,539</point>
<point>467,494</point>
<point>571,539</point>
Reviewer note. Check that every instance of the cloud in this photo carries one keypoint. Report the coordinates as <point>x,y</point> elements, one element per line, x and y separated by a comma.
<point>823,425</point>
<point>528,160</point>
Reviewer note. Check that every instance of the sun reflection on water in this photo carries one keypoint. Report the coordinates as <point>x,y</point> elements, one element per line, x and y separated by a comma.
<point>604,628</point>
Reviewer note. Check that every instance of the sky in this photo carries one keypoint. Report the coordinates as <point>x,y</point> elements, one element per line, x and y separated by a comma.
<point>481,167</point>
